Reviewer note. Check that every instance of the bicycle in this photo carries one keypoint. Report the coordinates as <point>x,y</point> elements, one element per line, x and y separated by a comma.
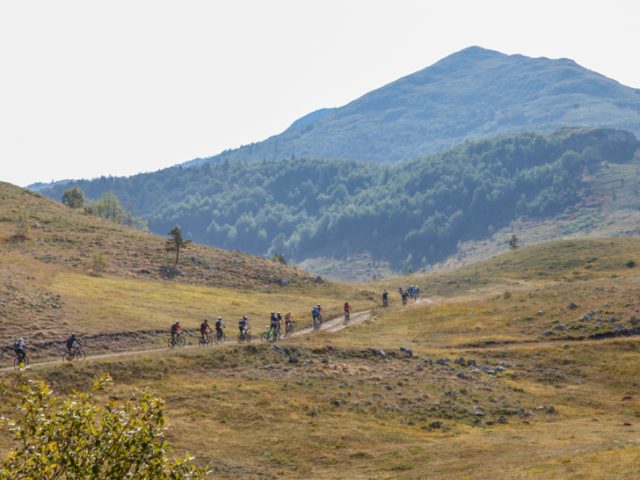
<point>76,353</point>
<point>270,335</point>
<point>177,340</point>
<point>205,340</point>
<point>347,317</point>
<point>244,337</point>
<point>288,329</point>
<point>219,337</point>
<point>21,363</point>
<point>317,321</point>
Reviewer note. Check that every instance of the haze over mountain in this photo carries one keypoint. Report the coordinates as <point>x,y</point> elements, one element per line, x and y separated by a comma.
<point>470,94</point>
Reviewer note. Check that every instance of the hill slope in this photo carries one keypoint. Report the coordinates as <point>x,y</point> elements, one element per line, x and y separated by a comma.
<point>48,285</point>
<point>411,215</point>
<point>531,376</point>
<point>469,94</point>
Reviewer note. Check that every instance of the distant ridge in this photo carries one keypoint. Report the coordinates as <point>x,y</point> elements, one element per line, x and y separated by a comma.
<point>470,94</point>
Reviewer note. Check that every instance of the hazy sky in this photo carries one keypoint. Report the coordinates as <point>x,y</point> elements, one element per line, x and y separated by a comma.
<point>92,88</point>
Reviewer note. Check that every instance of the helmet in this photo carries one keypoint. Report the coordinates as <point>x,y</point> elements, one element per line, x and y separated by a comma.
<point>219,318</point>
<point>177,323</point>
<point>278,313</point>
<point>244,317</point>
<point>318,305</point>
<point>20,339</point>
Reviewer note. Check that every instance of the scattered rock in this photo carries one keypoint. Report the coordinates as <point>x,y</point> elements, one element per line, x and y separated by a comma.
<point>407,351</point>
<point>293,359</point>
<point>335,402</point>
<point>460,361</point>
<point>547,333</point>
<point>560,327</point>
<point>283,282</point>
<point>442,361</point>
<point>472,363</point>
<point>388,387</point>
<point>419,367</point>
<point>634,320</point>
<point>500,368</point>
<point>502,420</point>
<point>541,313</point>
<point>435,425</point>
<point>463,376</point>
<point>572,306</point>
<point>378,352</point>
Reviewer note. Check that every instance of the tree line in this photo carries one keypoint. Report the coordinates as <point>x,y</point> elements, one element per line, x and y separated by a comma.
<point>412,213</point>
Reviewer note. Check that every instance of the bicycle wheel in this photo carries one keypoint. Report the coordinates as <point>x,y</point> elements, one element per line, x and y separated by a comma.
<point>264,337</point>
<point>80,355</point>
<point>171,343</point>
<point>181,341</point>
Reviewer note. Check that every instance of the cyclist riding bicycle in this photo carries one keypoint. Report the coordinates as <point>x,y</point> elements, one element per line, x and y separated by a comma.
<point>243,325</point>
<point>21,349</point>
<point>288,321</point>
<point>385,298</point>
<point>219,327</point>
<point>273,328</point>
<point>205,329</point>
<point>71,342</point>
<point>176,330</point>
<point>347,308</point>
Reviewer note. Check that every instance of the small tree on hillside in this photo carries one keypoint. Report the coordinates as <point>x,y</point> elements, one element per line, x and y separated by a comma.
<point>513,242</point>
<point>73,198</point>
<point>22,226</point>
<point>176,243</point>
<point>82,438</point>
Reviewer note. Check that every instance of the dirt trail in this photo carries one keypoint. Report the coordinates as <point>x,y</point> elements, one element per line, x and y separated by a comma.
<point>333,325</point>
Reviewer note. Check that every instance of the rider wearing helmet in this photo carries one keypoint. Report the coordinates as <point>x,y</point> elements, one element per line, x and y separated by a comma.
<point>288,320</point>
<point>175,330</point>
<point>219,327</point>
<point>243,325</point>
<point>20,348</point>
<point>205,329</point>
<point>71,341</point>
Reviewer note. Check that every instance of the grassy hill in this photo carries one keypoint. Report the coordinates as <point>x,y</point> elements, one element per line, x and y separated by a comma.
<point>487,394</point>
<point>470,94</point>
<point>49,287</point>
<point>410,215</point>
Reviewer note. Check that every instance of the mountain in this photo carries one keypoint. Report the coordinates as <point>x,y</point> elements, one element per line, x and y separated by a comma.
<point>470,94</point>
<point>411,214</point>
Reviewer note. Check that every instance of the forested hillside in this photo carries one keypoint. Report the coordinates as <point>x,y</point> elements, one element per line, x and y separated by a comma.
<point>470,94</point>
<point>411,214</point>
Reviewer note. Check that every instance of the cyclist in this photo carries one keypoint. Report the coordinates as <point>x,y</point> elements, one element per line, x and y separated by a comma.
<point>21,349</point>
<point>385,298</point>
<point>243,325</point>
<point>71,342</point>
<point>176,330</point>
<point>205,330</point>
<point>219,328</point>
<point>288,322</point>
<point>347,311</point>
<point>273,329</point>
<point>279,317</point>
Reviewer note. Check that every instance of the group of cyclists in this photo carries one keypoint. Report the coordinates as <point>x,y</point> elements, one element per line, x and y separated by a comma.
<point>72,344</point>
<point>274,332</point>
<point>411,292</point>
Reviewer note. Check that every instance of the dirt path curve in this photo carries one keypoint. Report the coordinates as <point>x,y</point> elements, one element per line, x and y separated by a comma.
<point>333,325</point>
